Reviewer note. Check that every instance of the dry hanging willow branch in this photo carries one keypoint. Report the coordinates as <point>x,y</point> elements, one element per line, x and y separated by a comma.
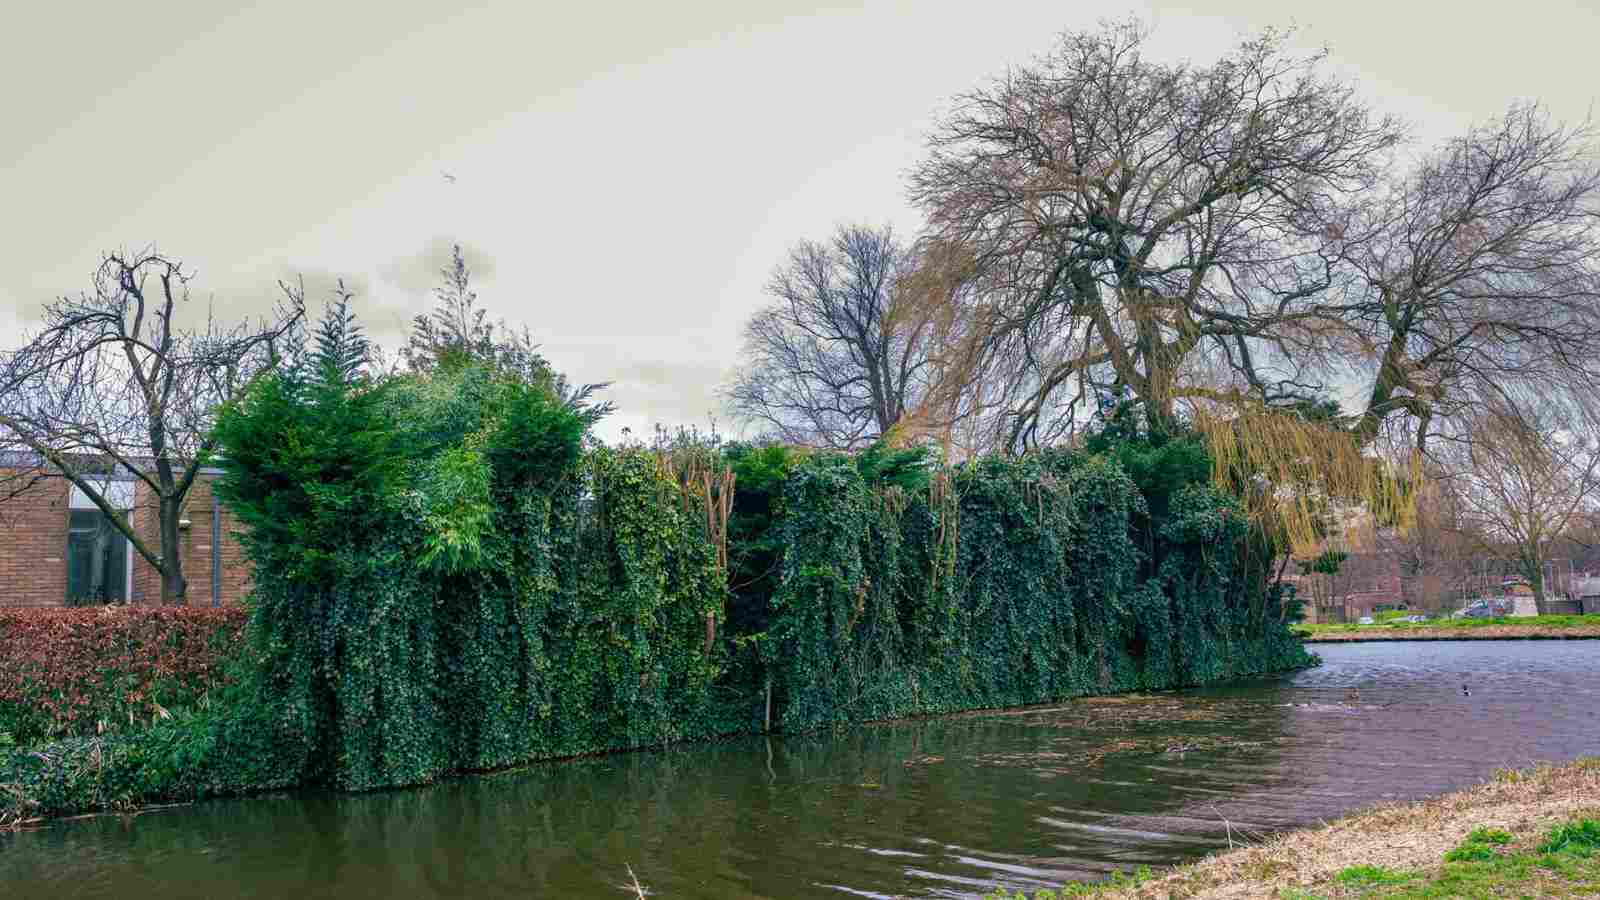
<point>1300,479</point>
<point>703,478</point>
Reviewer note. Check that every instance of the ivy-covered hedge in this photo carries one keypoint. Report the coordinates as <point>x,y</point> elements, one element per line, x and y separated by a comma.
<point>92,671</point>
<point>448,580</point>
<point>1009,582</point>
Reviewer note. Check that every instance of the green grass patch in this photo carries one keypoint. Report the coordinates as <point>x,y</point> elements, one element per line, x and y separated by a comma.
<point>1489,836</point>
<point>1479,846</point>
<point>1581,837</point>
<point>1562,864</point>
<point>1470,852</point>
<point>1558,622</point>
<point>1372,875</point>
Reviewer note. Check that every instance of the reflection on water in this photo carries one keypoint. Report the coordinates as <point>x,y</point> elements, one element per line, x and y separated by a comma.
<point>942,808</point>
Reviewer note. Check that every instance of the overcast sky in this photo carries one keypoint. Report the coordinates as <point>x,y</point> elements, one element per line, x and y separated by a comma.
<point>626,174</point>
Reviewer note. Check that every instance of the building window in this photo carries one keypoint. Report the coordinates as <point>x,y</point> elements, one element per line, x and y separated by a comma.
<point>97,560</point>
<point>99,557</point>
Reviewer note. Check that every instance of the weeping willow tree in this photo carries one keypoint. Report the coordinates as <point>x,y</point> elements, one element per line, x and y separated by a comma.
<point>1301,479</point>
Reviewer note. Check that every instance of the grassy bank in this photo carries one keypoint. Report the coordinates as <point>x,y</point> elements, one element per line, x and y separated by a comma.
<point>1499,628</point>
<point>1529,833</point>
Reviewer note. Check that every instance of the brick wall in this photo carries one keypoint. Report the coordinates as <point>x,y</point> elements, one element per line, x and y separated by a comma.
<point>33,547</point>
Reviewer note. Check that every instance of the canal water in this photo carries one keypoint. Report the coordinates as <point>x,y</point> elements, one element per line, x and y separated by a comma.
<point>952,807</point>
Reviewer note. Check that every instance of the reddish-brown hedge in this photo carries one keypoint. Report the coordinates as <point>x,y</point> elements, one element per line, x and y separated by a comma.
<point>81,672</point>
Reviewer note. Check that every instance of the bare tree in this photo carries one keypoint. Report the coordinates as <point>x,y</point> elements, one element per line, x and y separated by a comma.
<point>1239,233</point>
<point>1127,220</point>
<point>1528,475</point>
<point>1434,554</point>
<point>1479,277</point>
<point>114,384</point>
<point>833,360</point>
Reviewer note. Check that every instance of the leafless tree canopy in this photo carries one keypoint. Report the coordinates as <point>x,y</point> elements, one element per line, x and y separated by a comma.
<point>113,383</point>
<point>1241,232</point>
<point>1529,476</point>
<point>1127,218</point>
<point>831,360</point>
<point>1479,277</point>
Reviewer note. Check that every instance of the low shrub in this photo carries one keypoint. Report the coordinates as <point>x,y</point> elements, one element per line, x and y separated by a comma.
<point>241,743</point>
<point>92,672</point>
<point>1581,837</point>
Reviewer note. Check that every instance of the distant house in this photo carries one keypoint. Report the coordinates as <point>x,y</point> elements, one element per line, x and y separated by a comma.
<point>58,548</point>
<point>1368,603</point>
<point>1586,591</point>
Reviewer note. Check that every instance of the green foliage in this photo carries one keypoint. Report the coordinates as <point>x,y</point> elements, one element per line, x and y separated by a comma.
<point>1372,875</point>
<point>457,335</point>
<point>1489,864</point>
<point>488,594</point>
<point>1479,846</point>
<point>342,351</point>
<point>447,581</point>
<point>1470,852</point>
<point>1008,582</point>
<point>1327,563</point>
<point>1495,836</point>
<point>1581,837</point>
<point>908,469</point>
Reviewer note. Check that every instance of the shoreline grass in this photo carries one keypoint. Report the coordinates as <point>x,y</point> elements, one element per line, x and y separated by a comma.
<point>1497,628</point>
<point>1524,833</point>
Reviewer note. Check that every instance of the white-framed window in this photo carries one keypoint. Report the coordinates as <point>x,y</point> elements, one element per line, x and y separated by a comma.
<point>99,557</point>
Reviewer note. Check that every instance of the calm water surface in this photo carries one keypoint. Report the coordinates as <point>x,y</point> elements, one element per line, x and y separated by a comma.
<point>945,808</point>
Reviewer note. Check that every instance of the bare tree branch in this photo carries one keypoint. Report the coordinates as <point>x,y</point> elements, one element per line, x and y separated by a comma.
<point>115,385</point>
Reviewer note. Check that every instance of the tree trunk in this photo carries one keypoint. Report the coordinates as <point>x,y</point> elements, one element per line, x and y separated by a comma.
<point>174,587</point>
<point>1533,568</point>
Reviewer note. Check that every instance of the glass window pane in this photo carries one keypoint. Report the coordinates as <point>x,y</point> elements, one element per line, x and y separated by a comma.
<point>97,559</point>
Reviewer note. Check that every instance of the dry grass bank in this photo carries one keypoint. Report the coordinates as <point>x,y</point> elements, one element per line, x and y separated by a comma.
<point>1410,839</point>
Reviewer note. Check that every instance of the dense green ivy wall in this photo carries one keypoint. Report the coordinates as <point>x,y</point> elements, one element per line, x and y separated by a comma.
<point>1007,583</point>
<point>448,580</point>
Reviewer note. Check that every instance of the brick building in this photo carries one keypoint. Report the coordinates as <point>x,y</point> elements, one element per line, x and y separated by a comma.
<point>58,548</point>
